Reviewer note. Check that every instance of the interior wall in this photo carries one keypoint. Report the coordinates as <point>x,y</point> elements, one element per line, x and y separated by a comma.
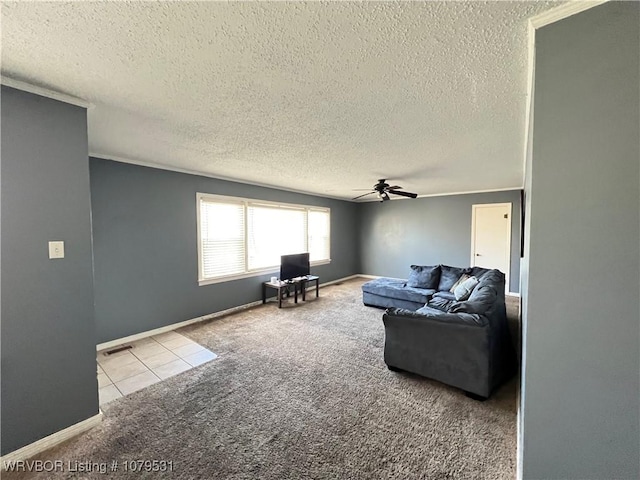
<point>581,310</point>
<point>48,333</point>
<point>428,231</point>
<point>145,247</point>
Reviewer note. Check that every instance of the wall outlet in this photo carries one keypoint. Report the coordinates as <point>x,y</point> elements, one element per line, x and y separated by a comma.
<point>56,249</point>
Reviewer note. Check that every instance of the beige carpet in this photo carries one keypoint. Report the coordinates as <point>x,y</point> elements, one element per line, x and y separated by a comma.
<point>301,392</point>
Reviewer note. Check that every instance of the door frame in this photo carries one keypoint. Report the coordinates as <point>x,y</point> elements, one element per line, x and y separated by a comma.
<point>474,208</point>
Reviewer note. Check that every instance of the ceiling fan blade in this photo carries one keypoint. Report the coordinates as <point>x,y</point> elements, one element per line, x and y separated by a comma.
<point>364,195</point>
<point>395,187</point>
<point>403,194</point>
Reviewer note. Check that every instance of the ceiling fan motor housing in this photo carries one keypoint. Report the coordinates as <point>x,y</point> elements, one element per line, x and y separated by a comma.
<point>381,186</point>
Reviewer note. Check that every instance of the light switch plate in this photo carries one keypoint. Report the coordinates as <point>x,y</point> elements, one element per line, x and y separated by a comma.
<point>56,249</point>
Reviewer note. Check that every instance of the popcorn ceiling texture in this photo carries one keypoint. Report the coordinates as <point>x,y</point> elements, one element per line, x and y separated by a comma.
<point>317,97</point>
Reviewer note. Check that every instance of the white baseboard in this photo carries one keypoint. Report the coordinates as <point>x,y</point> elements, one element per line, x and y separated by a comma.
<point>373,277</point>
<point>49,441</point>
<point>339,280</point>
<point>175,326</point>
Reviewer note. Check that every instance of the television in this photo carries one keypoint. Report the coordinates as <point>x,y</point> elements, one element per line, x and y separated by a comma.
<point>293,266</point>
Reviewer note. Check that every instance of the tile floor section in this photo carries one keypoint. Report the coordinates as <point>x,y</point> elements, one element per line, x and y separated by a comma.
<point>151,360</point>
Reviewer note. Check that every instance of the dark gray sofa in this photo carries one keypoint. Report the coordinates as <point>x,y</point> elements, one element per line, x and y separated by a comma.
<point>465,344</point>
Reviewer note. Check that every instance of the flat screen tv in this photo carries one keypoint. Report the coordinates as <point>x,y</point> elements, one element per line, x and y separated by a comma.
<point>293,266</point>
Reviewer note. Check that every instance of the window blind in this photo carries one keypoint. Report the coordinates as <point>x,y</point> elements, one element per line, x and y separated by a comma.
<point>273,231</point>
<point>239,237</point>
<point>222,232</point>
<point>319,235</point>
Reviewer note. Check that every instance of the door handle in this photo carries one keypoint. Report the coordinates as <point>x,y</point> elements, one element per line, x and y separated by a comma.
<point>478,255</point>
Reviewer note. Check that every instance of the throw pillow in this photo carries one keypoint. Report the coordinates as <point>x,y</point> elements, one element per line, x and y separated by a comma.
<point>462,278</point>
<point>424,276</point>
<point>463,290</point>
<point>449,276</point>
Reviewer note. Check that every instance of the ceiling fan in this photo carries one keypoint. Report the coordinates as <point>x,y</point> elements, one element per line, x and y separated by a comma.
<point>383,189</point>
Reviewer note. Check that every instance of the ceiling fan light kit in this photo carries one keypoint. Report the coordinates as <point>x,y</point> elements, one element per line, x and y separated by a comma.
<point>383,190</point>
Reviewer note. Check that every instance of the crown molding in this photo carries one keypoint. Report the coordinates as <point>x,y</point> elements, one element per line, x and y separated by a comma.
<point>446,194</point>
<point>159,166</point>
<point>45,92</point>
<point>141,163</point>
<point>563,11</point>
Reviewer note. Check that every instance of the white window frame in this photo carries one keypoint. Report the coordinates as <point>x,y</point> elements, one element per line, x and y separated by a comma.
<point>246,202</point>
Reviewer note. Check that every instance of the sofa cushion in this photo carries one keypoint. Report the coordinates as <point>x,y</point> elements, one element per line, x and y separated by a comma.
<point>429,311</point>
<point>478,272</point>
<point>440,303</point>
<point>449,276</point>
<point>457,318</point>
<point>445,295</point>
<point>481,300</point>
<point>394,288</point>
<point>463,290</point>
<point>424,277</point>
<point>493,278</point>
<point>380,286</point>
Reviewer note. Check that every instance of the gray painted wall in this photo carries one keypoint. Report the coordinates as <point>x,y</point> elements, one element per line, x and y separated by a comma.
<point>428,231</point>
<point>48,334</point>
<point>145,247</point>
<point>581,392</point>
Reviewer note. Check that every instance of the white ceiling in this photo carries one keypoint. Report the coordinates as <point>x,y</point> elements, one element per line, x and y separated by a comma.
<point>316,97</point>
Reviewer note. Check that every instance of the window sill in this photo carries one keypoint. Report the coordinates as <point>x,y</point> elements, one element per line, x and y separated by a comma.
<point>253,273</point>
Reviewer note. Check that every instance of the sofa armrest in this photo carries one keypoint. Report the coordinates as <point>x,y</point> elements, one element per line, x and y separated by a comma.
<point>452,348</point>
<point>470,319</point>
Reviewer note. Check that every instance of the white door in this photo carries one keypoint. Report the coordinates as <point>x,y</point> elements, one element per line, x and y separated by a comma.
<point>491,237</point>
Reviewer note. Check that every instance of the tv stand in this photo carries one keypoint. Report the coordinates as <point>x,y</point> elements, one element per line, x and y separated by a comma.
<point>282,288</point>
<point>309,279</point>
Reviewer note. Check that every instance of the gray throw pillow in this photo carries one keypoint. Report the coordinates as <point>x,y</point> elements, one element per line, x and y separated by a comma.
<point>449,276</point>
<point>424,276</point>
<point>465,288</point>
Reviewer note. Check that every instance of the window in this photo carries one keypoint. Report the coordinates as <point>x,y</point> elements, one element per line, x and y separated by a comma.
<point>239,237</point>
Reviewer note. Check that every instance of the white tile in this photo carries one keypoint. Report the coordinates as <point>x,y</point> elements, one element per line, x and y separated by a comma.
<point>164,337</point>
<point>198,358</point>
<point>149,350</point>
<point>160,359</point>
<point>117,361</point>
<point>176,342</point>
<point>108,393</point>
<point>188,349</point>
<point>137,382</point>
<point>103,380</point>
<point>142,341</point>
<point>172,368</point>
<point>125,371</point>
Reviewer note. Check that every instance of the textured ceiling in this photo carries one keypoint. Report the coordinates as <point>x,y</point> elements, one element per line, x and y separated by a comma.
<point>316,97</point>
